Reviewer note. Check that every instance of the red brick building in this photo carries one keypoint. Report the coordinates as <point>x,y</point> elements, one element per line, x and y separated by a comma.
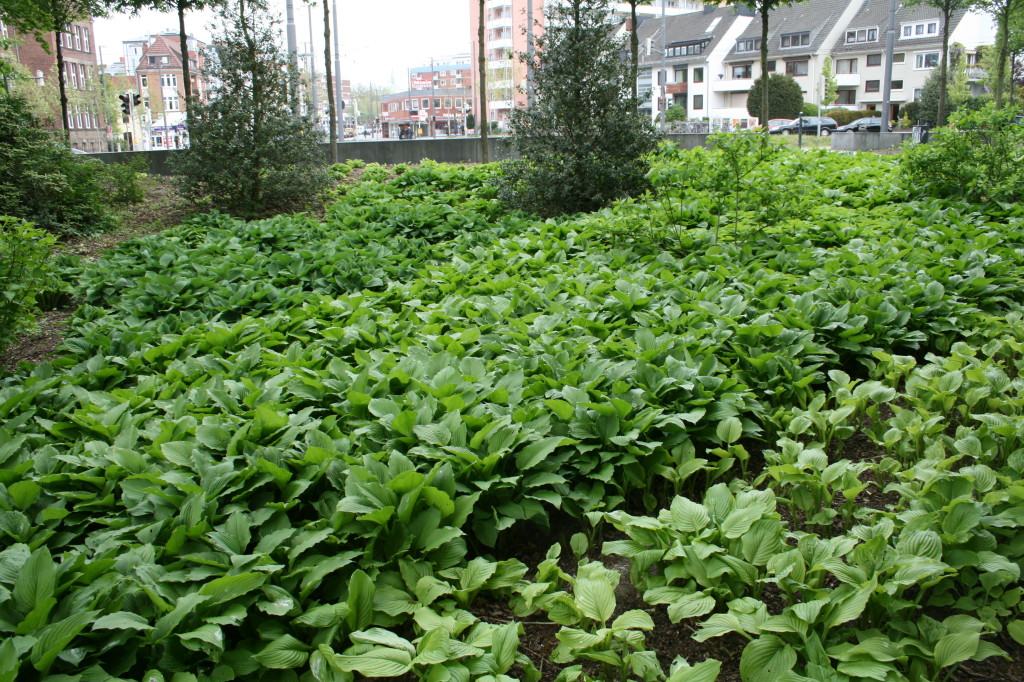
<point>436,103</point>
<point>159,78</point>
<point>86,124</point>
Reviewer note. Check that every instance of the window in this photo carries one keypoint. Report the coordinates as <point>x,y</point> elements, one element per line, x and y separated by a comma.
<point>437,102</point>
<point>796,39</point>
<point>698,101</point>
<point>871,86</point>
<point>680,74</point>
<point>919,30</point>
<point>458,102</point>
<point>168,80</point>
<point>899,58</point>
<point>748,45</point>
<point>698,75</point>
<point>862,35</point>
<point>846,97</point>
<point>469,103</point>
<point>917,94</point>
<point>926,60</point>
<point>742,71</point>
<point>771,66</point>
<point>875,59</point>
<point>683,49</point>
<point>447,102</point>
<point>425,104</point>
<point>171,102</point>
<point>897,85</point>
<point>846,65</point>
<point>797,68</point>
<point>145,82</point>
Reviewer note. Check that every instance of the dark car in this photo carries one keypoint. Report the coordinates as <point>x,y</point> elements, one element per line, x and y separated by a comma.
<point>870,124</point>
<point>809,124</point>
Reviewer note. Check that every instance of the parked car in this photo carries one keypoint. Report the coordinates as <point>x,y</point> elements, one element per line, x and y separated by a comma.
<point>869,124</point>
<point>776,122</point>
<point>809,124</point>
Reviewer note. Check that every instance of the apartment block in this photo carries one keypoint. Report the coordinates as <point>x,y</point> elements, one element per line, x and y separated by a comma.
<point>439,97</point>
<point>86,124</point>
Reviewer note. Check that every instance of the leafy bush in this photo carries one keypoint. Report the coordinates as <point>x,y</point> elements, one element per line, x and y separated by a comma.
<point>844,116</point>
<point>24,253</point>
<point>42,182</point>
<point>979,156</point>
<point>785,97</point>
<point>123,180</point>
<point>250,155</point>
<point>583,143</point>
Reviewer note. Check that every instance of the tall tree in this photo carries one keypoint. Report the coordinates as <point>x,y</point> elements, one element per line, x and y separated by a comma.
<point>481,62</point>
<point>39,17</point>
<point>332,139</point>
<point>583,143</point>
<point>831,85</point>
<point>250,154</point>
<point>763,8</point>
<point>1006,13</point>
<point>634,42</point>
<point>946,9</point>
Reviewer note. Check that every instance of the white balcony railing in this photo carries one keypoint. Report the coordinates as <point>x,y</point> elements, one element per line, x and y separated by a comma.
<point>848,80</point>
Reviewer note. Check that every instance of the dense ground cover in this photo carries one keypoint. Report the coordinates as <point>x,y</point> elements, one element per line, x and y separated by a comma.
<point>330,448</point>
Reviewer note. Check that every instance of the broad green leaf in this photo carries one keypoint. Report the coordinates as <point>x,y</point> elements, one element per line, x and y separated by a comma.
<point>54,638</point>
<point>35,582</point>
<point>228,587</point>
<point>634,619</point>
<point>504,644</point>
<point>360,600</point>
<point>377,662</point>
<point>596,599</point>
<point>283,653</point>
<point>729,430</point>
<point>535,452</point>
<point>688,516</point>
<point>739,521</point>
<point>121,620</point>
<point>324,616</point>
<point>705,671</point>
<point>766,659</point>
<point>955,647</point>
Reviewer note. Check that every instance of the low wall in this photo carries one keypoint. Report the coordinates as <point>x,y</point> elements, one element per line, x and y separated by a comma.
<point>863,142</point>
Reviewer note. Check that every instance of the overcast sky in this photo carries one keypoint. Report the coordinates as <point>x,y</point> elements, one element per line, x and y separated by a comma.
<point>379,40</point>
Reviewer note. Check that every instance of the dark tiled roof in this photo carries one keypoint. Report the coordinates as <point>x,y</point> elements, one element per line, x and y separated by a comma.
<point>875,14</point>
<point>683,28</point>
<point>818,17</point>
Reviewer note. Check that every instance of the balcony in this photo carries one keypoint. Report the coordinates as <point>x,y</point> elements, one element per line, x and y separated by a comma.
<point>497,4</point>
<point>847,80</point>
<point>500,44</point>
<point>503,22</point>
<point>976,73</point>
<point>493,64</point>
<point>732,85</point>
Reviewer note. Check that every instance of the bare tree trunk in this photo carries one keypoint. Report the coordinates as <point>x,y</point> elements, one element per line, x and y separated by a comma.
<point>1003,45</point>
<point>482,96</point>
<point>634,47</point>
<point>186,74</point>
<point>332,149</point>
<point>940,117</point>
<point>64,116</point>
<point>764,69</point>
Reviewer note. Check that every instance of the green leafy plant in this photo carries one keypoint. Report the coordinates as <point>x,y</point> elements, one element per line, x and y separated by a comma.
<point>24,268</point>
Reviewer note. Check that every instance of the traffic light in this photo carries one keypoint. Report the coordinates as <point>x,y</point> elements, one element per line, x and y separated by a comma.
<point>126,104</point>
<point>136,100</point>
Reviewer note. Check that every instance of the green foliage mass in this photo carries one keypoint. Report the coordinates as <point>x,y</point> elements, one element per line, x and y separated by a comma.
<point>785,98</point>
<point>24,256</point>
<point>250,155</point>
<point>583,143</point>
<point>42,182</point>
<point>291,448</point>
<point>978,156</point>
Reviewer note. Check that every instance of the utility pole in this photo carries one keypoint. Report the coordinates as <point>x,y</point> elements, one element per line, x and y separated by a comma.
<point>293,56</point>
<point>663,74</point>
<point>433,114</point>
<point>890,43</point>
<point>312,68</point>
<point>339,102</point>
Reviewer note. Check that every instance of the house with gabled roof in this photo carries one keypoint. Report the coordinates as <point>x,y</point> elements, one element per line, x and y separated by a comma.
<point>859,53</point>
<point>159,79</point>
<point>690,49</point>
<point>799,38</point>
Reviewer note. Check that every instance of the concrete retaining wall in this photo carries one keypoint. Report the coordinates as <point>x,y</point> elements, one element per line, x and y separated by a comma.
<point>389,152</point>
<point>862,142</point>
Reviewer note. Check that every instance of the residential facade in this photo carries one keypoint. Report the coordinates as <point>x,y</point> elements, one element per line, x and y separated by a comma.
<point>439,97</point>
<point>153,69</point>
<point>86,123</point>
<point>712,59</point>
